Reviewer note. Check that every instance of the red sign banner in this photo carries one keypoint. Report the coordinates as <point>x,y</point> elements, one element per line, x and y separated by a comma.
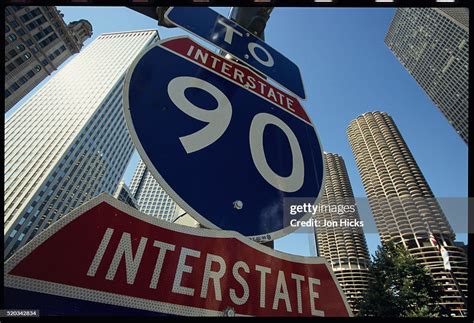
<point>236,73</point>
<point>107,252</point>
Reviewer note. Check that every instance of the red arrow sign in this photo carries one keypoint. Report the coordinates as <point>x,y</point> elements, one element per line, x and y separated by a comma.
<point>106,252</point>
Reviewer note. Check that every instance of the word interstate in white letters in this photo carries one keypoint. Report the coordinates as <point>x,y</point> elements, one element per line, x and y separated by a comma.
<point>132,266</point>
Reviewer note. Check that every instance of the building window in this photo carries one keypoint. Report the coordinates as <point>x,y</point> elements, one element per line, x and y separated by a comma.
<point>30,15</point>
<point>7,28</point>
<point>37,68</point>
<point>19,61</point>
<point>43,33</point>
<point>44,62</point>
<point>15,245</point>
<point>48,40</point>
<point>14,23</point>
<point>27,55</point>
<point>11,37</point>
<point>20,48</point>
<point>36,23</point>
<point>12,234</point>
<point>22,80</point>
<point>10,67</point>
<point>21,32</point>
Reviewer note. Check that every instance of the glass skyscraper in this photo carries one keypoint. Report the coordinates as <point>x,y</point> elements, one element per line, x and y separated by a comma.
<point>150,196</point>
<point>433,45</point>
<point>122,193</point>
<point>69,141</point>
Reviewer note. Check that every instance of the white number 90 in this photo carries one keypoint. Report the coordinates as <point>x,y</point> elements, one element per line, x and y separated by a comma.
<point>218,120</point>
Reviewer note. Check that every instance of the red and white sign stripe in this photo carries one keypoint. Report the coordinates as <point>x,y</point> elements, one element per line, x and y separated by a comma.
<point>236,73</point>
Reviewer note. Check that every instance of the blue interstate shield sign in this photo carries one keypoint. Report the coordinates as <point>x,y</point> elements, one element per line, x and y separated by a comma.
<point>225,144</point>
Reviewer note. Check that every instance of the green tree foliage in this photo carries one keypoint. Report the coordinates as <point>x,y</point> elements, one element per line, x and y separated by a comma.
<point>400,287</point>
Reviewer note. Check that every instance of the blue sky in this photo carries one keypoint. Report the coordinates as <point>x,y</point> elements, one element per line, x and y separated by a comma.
<point>347,70</point>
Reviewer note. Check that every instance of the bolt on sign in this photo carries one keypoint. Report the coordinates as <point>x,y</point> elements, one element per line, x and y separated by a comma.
<point>129,263</point>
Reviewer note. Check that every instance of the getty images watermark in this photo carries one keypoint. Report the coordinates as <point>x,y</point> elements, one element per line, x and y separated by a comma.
<point>324,215</point>
<point>356,212</point>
